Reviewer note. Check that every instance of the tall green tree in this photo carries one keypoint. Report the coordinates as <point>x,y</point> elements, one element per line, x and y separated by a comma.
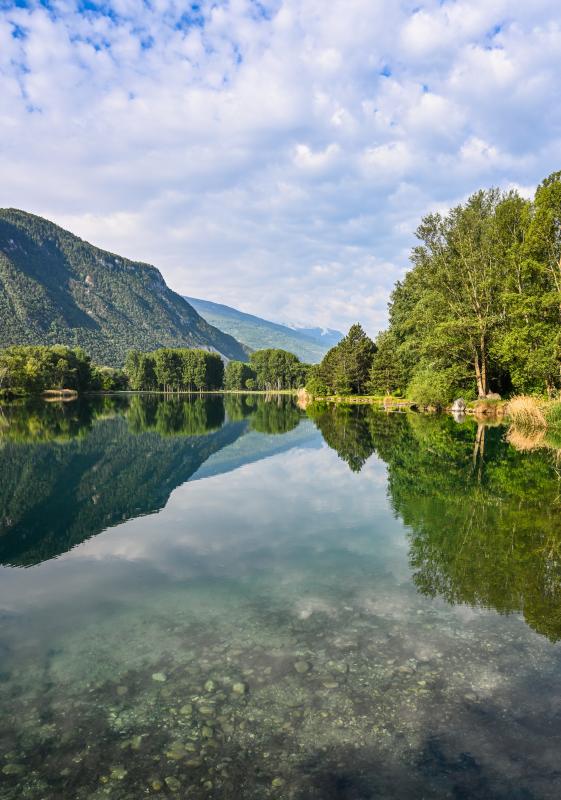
<point>345,368</point>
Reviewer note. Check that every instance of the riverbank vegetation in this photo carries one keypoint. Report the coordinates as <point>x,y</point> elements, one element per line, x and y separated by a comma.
<point>268,370</point>
<point>478,313</point>
<point>30,369</point>
<point>33,370</point>
<point>480,309</point>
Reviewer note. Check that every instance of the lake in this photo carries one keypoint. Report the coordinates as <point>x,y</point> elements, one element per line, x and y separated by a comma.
<point>235,598</point>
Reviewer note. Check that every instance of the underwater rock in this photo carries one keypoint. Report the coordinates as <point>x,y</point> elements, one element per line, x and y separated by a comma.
<point>210,686</point>
<point>13,769</point>
<point>159,677</point>
<point>302,667</point>
<point>172,783</point>
<point>239,688</point>
<point>118,773</point>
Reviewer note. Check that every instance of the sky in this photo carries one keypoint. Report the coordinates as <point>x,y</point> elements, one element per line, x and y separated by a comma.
<point>276,156</point>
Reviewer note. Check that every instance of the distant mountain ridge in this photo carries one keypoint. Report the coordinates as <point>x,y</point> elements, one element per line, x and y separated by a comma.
<point>309,344</point>
<point>56,288</point>
<point>325,336</point>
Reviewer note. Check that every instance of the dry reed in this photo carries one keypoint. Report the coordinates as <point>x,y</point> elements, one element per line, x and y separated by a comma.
<point>527,413</point>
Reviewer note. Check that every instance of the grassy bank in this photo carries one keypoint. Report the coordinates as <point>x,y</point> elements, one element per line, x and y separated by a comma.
<point>534,413</point>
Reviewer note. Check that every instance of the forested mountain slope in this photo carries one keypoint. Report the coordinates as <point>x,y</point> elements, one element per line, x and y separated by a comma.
<point>310,344</point>
<point>56,288</point>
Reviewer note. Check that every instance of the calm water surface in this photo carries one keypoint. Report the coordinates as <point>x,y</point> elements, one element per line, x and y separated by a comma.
<point>238,599</point>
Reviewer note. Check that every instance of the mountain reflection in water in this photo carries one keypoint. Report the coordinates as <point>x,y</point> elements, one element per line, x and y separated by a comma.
<point>228,597</point>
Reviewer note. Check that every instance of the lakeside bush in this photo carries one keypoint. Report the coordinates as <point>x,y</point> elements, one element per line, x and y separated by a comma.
<point>430,388</point>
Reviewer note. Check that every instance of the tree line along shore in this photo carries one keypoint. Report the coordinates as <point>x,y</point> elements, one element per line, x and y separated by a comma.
<point>477,316</point>
<point>36,369</point>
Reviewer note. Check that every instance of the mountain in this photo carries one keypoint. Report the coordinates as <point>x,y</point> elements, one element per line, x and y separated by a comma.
<point>326,337</point>
<point>56,288</point>
<point>307,343</point>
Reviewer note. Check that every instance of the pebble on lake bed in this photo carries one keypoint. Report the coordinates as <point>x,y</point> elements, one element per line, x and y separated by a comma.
<point>159,677</point>
<point>13,769</point>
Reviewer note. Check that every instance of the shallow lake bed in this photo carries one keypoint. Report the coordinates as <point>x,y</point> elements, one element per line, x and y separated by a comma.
<point>216,599</point>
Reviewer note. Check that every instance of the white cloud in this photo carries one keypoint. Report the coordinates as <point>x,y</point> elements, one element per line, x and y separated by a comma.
<point>274,155</point>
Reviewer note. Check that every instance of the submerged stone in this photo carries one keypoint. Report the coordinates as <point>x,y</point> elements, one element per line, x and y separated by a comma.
<point>173,784</point>
<point>118,773</point>
<point>13,769</point>
<point>302,667</point>
<point>159,677</point>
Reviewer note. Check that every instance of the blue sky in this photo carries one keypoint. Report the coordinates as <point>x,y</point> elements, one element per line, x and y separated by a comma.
<point>274,155</point>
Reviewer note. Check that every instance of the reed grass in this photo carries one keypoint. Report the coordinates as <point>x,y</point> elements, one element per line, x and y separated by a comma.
<point>527,412</point>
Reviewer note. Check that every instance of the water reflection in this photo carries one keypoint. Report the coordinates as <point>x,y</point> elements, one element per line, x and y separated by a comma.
<point>483,516</point>
<point>71,470</point>
<point>308,616</point>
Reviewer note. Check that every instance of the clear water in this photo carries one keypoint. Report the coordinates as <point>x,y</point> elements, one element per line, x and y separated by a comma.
<point>240,599</point>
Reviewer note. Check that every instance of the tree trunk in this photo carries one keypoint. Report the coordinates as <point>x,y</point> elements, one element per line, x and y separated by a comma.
<point>480,362</point>
<point>480,388</point>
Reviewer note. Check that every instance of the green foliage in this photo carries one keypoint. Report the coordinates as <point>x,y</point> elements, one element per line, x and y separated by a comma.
<point>346,367</point>
<point>482,301</point>
<point>109,379</point>
<point>34,369</point>
<point>57,289</point>
<point>276,370</point>
<point>432,387</point>
<point>175,370</point>
<point>236,375</point>
<point>387,374</point>
<point>553,415</point>
<point>315,386</point>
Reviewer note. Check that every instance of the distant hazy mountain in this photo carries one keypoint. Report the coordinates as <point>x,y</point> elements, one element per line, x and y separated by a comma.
<point>56,288</point>
<point>327,337</point>
<point>309,344</point>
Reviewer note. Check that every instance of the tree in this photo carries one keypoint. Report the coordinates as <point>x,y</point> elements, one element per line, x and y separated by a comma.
<point>345,369</point>
<point>236,374</point>
<point>462,269</point>
<point>387,374</point>
<point>276,370</point>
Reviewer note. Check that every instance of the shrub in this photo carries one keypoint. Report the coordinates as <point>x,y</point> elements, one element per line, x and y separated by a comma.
<point>430,387</point>
<point>316,387</point>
